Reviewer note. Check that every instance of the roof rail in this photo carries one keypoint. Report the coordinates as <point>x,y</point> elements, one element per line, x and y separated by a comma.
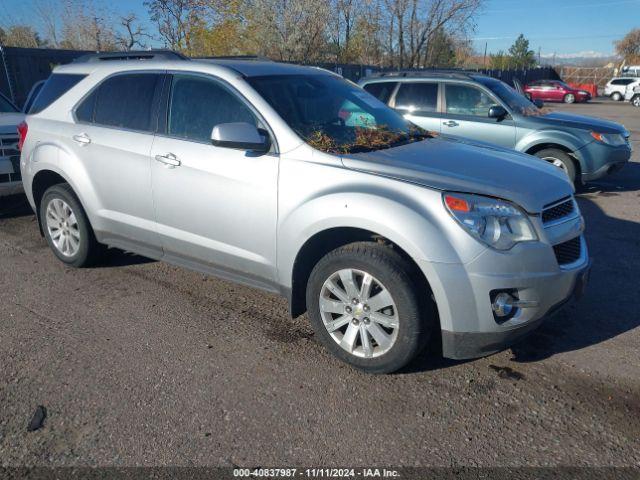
<point>427,72</point>
<point>255,58</point>
<point>133,55</point>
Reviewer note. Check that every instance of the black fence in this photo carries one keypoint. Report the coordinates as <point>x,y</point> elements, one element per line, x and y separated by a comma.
<point>21,68</point>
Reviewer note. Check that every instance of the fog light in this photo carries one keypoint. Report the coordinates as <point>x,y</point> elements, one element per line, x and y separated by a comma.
<point>503,305</point>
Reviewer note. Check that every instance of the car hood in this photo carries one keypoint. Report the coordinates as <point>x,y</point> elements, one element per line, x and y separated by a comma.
<point>9,122</point>
<point>463,166</point>
<point>568,120</point>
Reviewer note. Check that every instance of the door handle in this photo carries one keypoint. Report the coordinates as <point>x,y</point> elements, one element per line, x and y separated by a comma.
<point>82,139</point>
<point>169,159</point>
<point>450,123</point>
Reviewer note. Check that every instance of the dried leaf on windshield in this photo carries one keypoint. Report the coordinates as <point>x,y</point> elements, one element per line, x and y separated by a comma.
<point>366,139</point>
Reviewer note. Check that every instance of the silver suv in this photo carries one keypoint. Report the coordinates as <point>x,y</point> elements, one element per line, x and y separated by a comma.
<point>293,180</point>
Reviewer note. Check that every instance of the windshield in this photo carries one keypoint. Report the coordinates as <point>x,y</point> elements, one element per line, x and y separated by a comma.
<point>515,101</point>
<point>6,106</point>
<point>334,115</point>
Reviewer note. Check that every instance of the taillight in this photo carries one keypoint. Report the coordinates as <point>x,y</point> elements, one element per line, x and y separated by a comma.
<point>23,128</point>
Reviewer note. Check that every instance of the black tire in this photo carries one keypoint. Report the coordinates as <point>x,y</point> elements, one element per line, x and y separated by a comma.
<point>569,98</point>
<point>569,165</point>
<point>395,273</point>
<point>616,96</point>
<point>89,250</point>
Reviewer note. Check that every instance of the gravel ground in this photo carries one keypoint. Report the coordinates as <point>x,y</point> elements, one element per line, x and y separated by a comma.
<point>142,363</point>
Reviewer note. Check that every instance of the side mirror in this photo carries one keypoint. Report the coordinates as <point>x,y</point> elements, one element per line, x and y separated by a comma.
<point>498,112</point>
<point>538,103</point>
<point>240,136</point>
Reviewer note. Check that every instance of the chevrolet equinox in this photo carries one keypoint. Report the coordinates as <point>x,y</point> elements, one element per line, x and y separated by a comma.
<point>294,180</point>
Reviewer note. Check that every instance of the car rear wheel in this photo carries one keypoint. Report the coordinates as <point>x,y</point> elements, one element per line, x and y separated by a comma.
<point>616,96</point>
<point>365,309</point>
<point>67,228</point>
<point>560,159</point>
<point>569,98</point>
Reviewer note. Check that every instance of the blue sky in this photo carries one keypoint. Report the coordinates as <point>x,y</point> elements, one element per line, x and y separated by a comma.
<point>561,27</point>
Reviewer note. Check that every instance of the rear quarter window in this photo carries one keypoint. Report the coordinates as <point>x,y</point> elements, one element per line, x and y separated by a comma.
<point>57,85</point>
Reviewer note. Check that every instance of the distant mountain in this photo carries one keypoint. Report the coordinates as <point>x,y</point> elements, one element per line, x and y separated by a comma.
<point>588,58</point>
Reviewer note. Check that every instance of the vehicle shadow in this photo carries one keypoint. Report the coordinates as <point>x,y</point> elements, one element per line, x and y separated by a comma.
<point>609,306</point>
<point>14,206</point>
<point>625,180</point>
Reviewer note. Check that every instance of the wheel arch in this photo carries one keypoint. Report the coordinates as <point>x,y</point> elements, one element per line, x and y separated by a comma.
<point>327,240</point>
<point>557,146</point>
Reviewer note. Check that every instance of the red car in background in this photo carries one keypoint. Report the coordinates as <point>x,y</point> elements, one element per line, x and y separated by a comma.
<point>555,91</point>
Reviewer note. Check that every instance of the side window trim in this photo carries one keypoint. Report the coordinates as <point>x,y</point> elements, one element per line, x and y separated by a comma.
<point>163,123</point>
<point>154,103</point>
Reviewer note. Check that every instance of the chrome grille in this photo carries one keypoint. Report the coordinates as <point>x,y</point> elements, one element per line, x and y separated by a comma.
<point>9,149</point>
<point>568,252</point>
<point>558,211</point>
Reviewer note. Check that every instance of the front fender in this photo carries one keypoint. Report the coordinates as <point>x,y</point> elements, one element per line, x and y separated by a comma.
<point>419,226</point>
<point>567,140</point>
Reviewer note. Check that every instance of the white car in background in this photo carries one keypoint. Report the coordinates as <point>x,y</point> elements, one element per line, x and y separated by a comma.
<point>616,87</point>
<point>633,95</point>
<point>10,118</point>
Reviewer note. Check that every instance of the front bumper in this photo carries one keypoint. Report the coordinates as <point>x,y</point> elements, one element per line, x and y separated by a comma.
<point>598,160</point>
<point>541,279</point>
<point>464,345</point>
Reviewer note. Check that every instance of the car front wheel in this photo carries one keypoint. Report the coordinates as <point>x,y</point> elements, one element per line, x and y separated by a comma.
<point>636,101</point>
<point>67,228</point>
<point>365,309</point>
<point>560,159</point>
<point>569,98</point>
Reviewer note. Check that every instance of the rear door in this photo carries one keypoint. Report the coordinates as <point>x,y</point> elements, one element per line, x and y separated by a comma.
<point>418,102</point>
<point>466,115</point>
<point>113,136</point>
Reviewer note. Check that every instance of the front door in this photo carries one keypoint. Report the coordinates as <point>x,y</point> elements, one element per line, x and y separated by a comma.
<point>466,115</point>
<point>216,208</point>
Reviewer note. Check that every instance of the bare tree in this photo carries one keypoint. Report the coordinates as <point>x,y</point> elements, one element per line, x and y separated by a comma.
<point>175,20</point>
<point>20,36</point>
<point>132,34</point>
<point>629,47</point>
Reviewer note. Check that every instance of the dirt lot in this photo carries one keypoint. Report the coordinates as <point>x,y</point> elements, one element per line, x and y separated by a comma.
<point>141,363</point>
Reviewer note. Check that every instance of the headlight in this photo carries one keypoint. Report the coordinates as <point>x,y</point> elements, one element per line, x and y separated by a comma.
<point>613,139</point>
<point>497,223</point>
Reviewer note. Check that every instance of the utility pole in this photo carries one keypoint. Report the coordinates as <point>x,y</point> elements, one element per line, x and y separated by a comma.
<point>484,59</point>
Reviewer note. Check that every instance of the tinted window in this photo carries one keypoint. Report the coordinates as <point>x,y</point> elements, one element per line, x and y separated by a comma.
<point>84,112</point>
<point>422,97</point>
<point>57,85</point>
<point>33,94</point>
<point>198,104</point>
<point>125,101</point>
<point>622,81</point>
<point>6,106</point>
<point>466,100</point>
<point>381,90</point>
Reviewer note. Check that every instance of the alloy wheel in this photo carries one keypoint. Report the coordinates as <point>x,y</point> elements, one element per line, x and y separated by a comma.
<point>62,227</point>
<point>558,163</point>
<point>616,97</point>
<point>569,98</point>
<point>359,313</point>
<point>636,101</point>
